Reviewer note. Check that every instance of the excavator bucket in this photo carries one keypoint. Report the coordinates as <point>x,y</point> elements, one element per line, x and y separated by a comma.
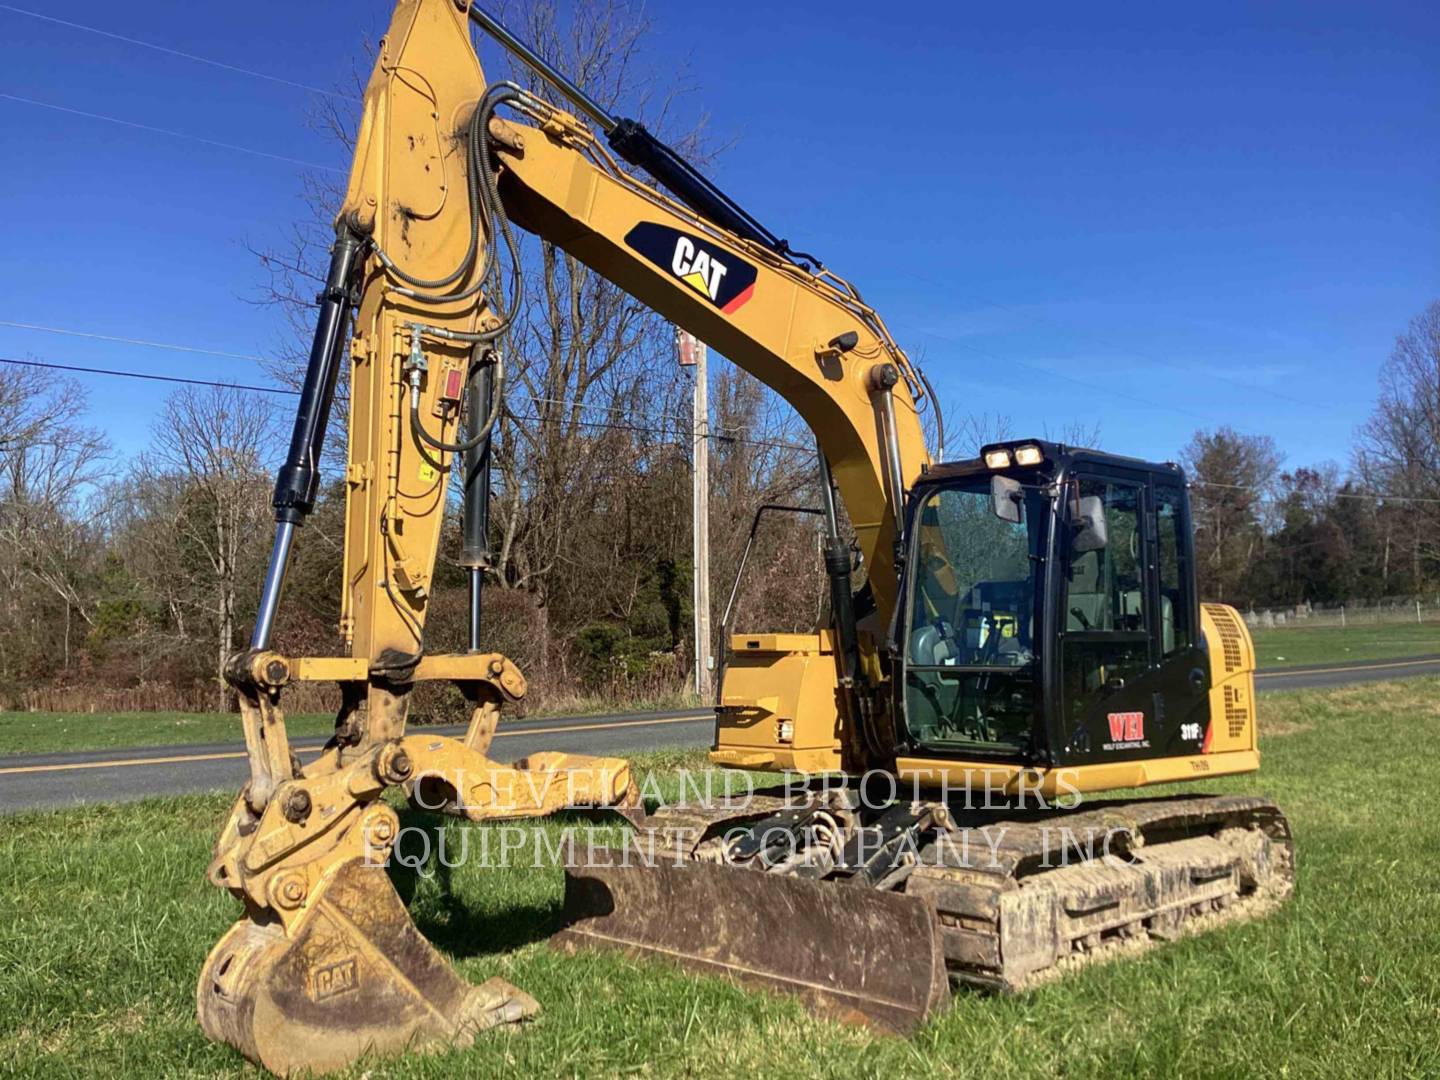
<point>354,977</point>
<point>851,953</point>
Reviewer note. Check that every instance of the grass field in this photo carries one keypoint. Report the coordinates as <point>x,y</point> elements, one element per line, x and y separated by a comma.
<point>1362,641</point>
<point>54,732</point>
<point>105,920</point>
<point>50,732</point>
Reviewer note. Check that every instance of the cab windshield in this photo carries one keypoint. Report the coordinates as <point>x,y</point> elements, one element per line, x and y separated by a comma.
<point>971,668</point>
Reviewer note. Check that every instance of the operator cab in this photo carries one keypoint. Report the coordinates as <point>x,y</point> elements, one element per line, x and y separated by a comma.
<point>1049,614</point>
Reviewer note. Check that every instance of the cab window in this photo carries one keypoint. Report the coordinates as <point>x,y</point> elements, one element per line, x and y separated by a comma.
<point>1105,644</point>
<point>1175,572</point>
<point>970,631</point>
<point>1105,587</point>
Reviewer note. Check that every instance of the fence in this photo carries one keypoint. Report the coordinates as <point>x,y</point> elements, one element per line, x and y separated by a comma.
<point>1341,616</point>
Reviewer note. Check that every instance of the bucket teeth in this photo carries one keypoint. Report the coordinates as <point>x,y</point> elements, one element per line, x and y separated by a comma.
<point>353,976</point>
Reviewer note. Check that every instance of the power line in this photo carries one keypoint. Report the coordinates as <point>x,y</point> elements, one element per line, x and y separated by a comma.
<point>131,341</point>
<point>17,362</point>
<point>247,150</point>
<point>723,434</point>
<point>681,439</point>
<point>570,403</point>
<point>639,429</point>
<point>230,67</point>
<point>177,52</point>
<point>174,347</point>
<point>349,97</point>
<point>167,131</point>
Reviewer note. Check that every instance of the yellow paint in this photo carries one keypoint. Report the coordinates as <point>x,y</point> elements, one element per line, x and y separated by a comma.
<point>773,679</point>
<point>564,188</point>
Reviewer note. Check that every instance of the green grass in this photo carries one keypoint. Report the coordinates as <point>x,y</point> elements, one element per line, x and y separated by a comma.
<point>105,921</point>
<point>54,732</point>
<point>1290,645</point>
<point>49,732</point>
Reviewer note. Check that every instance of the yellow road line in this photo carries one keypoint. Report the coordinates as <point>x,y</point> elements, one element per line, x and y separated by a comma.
<point>228,755</point>
<point>232,754</point>
<point>1344,667</point>
<point>121,764</point>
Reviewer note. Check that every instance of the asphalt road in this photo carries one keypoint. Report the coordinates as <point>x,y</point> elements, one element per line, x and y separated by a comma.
<point>1325,676</point>
<point>41,781</point>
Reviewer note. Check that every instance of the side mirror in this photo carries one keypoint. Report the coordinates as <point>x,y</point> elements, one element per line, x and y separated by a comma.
<point>1091,531</point>
<point>1006,498</point>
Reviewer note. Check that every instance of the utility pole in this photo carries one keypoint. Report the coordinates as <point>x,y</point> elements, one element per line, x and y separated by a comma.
<point>693,354</point>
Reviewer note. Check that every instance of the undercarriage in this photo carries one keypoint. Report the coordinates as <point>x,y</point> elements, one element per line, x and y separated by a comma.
<point>874,913</point>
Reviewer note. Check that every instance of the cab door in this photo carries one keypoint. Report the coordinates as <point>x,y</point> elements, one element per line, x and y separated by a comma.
<point>1105,623</point>
<point>1127,659</point>
<point>1182,671</point>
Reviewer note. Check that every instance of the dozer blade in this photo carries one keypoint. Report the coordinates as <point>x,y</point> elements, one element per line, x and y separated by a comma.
<point>852,953</point>
<point>354,976</point>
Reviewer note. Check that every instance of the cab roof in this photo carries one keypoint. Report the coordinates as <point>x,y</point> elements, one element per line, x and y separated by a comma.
<point>1058,458</point>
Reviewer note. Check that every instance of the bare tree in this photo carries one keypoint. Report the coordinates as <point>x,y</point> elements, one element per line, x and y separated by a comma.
<point>966,433</point>
<point>208,462</point>
<point>762,452</point>
<point>50,464</point>
<point>1398,447</point>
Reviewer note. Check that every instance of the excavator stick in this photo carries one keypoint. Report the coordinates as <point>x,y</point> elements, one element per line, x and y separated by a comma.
<point>325,965</point>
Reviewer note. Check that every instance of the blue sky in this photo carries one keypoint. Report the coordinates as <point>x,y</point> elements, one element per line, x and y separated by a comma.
<point>1150,217</point>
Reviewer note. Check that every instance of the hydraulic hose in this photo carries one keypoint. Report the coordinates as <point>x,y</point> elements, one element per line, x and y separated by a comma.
<point>471,442</point>
<point>939,414</point>
<point>473,190</point>
<point>484,200</point>
<point>484,197</point>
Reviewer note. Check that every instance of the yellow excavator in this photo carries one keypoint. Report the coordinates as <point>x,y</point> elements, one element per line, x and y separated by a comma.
<point>1026,636</point>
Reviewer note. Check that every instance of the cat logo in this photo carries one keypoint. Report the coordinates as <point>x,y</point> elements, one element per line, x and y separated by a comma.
<point>722,279</point>
<point>335,979</point>
<point>697,268</point>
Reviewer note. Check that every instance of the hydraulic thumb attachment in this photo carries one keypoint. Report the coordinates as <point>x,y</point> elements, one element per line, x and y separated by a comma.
<point>326,964</point>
